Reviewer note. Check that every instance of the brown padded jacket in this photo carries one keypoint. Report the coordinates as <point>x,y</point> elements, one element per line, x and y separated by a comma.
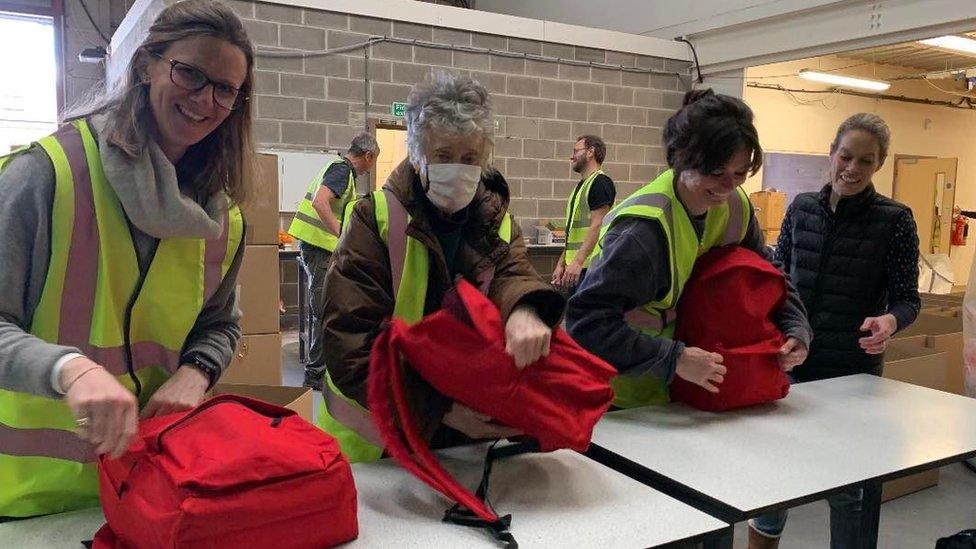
<point>359,295</point>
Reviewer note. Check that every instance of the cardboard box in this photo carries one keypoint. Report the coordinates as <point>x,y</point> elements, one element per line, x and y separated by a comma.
<point>944,334</point>
<point>916,340</point>
<point>909,485</point>
<point>908,361</point>
<point>257,290</point>
<point>772,236</point>
<point>298,399</point>
<point>256,362</point>
<point>261,211</point>
<point>943,310</point>
<point>770,207</point>
<point>933,300</point>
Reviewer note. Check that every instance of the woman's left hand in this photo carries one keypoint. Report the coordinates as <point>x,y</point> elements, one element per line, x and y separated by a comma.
<point>792,354</point>
<point>881,328</point>
<point>183,391</point>
<point>526,336</point>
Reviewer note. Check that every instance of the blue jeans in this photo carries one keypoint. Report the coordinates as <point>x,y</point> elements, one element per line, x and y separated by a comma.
<point>853,519</point>
<point>315,261</point>
<point>572,291</point>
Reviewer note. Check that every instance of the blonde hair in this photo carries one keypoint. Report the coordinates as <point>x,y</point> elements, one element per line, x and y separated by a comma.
<point>224,159</point>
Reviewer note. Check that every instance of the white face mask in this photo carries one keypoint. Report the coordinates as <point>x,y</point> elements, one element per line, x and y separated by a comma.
<point>451,187</point>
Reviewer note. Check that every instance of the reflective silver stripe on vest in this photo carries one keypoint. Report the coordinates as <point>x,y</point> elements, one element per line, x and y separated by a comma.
<point>52,443</point>
<point>353,417</point>
<point>733,228</point>
<point>655,200</point>
<point>396,238</point>
<point>144,354</point>
<point>641,319</point>
<point>81,276</point>
<point>213,259</point>
<point>81,272</point>
<point>356,418</point>
<point>313,221</point>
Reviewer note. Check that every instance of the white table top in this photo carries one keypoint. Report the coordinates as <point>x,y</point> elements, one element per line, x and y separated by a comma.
<point>825,435</point>
<point>64,530</point>
<point>560,499</point>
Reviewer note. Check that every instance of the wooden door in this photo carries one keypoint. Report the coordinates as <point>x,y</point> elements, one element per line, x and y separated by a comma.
<point>393,149</point>
<point>928,187</point>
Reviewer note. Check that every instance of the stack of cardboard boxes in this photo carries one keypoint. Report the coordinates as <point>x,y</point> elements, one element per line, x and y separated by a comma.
<point>258,357</point>
<point>770,207</point>
<point>927,353</point>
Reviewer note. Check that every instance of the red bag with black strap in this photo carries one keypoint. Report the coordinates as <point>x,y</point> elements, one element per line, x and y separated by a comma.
<point>233,472</point>
<point>728,307</point>
<point>460,351</point>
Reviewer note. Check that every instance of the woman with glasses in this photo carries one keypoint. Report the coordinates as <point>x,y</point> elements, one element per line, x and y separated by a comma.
<point>122,243</point>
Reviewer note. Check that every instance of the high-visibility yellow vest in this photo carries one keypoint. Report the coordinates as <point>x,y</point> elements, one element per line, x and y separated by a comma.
<point>91,297</point>
<point>724,225</point>
<point>307,226</point>
<point>578,219</point>
<point>343,417</point>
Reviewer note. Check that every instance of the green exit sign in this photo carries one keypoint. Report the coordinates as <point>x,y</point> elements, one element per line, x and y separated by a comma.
<point>398,108</point>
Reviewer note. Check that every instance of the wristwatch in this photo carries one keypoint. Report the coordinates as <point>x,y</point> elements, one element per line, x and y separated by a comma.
<point>209,369</point>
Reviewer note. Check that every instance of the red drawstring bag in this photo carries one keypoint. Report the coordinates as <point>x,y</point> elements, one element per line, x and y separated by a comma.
<point>727,307</point>
<point>460,351</point>
<point>233,472</point>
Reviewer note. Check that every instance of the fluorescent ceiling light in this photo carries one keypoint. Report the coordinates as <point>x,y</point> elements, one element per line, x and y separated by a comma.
<point>846,81</point>
<point>957,43</point>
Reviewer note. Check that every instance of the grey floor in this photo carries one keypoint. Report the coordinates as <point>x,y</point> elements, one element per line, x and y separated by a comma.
<point>914,521</point>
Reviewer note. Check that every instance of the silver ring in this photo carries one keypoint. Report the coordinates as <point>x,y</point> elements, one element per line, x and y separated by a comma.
<point>83,421</point>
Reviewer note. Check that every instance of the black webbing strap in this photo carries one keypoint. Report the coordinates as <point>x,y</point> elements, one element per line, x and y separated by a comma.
<point>498,529</point>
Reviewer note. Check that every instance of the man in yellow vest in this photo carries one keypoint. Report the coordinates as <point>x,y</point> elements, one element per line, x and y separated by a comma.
<point>317,226</point>
<point>591,200</point>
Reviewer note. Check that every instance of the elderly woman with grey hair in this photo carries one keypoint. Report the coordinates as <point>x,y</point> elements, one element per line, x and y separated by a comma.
<point>444,211</point>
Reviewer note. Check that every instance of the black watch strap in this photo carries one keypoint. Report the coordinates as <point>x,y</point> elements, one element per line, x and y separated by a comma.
<point>212,371</point>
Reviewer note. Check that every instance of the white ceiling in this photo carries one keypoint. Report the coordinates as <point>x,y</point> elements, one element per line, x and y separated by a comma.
<point>916,56</point>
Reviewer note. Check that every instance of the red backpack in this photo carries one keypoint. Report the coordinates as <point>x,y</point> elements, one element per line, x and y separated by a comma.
<point>233,472</point>
<point>727,307</point>
<point>460,351</point>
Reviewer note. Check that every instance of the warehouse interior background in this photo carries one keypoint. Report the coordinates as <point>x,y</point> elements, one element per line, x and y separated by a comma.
<point>327,69</point>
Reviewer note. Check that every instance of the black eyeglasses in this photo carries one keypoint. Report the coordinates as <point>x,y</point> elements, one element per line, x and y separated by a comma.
<point>191,78</point>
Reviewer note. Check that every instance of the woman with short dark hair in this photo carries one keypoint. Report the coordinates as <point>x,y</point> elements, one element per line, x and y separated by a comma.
<point>623,311</point>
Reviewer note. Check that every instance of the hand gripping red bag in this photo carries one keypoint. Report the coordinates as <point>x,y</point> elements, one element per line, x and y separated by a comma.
<point>728,307</point>
<point>460,351</point>
<point>233,472</point>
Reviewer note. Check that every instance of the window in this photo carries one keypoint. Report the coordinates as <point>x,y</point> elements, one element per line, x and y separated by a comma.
<point>28,89</point>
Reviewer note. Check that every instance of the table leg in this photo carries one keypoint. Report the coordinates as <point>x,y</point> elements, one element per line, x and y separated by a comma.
<point>720,540</point>
<point>870,514</point>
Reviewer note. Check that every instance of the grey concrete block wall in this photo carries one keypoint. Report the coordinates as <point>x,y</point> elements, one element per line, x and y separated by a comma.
<point>79,34</point>
<point>319,102</point>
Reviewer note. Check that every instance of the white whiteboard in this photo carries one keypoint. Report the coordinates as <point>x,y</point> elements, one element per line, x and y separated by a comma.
<point>296,169</point>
